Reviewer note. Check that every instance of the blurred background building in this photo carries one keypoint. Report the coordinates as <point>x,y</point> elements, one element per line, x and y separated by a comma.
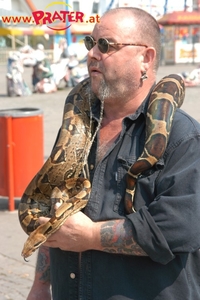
<point>180,31</point>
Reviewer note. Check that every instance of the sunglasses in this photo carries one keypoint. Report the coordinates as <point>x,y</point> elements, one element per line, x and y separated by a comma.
<point>103,44</point>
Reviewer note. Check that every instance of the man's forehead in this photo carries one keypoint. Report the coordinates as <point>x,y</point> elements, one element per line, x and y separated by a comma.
<point>116,24</point>
<point>122,18</point>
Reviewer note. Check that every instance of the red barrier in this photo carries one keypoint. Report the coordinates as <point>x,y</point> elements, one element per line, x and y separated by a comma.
<point>21,150</point>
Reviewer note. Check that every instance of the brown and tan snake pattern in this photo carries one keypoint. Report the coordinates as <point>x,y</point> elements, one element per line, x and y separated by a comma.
<point>59,179</point>
<point>167,95</point>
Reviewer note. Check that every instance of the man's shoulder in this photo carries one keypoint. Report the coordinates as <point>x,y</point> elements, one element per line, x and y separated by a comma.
<point>184,126</point>
<point>183,117</point>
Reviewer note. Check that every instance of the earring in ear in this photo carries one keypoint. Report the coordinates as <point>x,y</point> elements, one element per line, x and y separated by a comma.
<point>144,76</point>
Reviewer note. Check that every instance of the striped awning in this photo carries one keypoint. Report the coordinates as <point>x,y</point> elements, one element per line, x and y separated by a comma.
<point>19,31</point>
<point>41,30</point>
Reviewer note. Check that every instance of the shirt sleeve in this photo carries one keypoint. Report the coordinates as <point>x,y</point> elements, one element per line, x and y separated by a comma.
<point>169,225</point>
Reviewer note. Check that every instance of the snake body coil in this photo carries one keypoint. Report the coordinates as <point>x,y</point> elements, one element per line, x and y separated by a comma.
<point>167,95</point>
<point>59,179</point>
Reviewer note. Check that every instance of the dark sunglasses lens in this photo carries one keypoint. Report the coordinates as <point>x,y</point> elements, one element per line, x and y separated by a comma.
<point>103,45</point>
<point>89,42</point>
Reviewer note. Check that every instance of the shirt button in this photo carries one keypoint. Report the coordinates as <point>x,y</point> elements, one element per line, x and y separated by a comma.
<point>72,276</point>
<point>91,167</point>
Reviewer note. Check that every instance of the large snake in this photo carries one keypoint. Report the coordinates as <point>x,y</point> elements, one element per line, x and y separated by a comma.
<point>60,180</point>
<point>167,95</point>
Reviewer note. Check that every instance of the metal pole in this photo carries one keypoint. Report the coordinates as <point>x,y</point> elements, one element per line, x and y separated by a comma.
<point>165,7</point>
<point>68,31</point>
<point>185,5</point>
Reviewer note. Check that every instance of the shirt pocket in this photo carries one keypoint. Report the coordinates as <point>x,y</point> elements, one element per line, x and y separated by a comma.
<point>145,186</point>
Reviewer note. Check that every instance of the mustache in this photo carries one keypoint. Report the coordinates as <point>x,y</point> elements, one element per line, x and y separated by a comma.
<point>94,64</point>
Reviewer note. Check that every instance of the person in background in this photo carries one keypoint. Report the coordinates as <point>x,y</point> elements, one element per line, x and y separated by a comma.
<point>42,77</point>
<point>60,69</point>
<point>104,252</point>
<point>16,85</point>
<point>28,56</point>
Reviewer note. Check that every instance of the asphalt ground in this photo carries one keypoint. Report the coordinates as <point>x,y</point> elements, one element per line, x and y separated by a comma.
<point>16,275</point>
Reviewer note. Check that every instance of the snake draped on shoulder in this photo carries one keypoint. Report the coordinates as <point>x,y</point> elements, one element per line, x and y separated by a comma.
<point>60,183</point>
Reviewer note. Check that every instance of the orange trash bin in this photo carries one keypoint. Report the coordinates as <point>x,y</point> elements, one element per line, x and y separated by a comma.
<point>21,150</point>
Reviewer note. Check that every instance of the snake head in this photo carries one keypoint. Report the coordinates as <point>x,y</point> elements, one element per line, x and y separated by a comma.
<point>32,244</point>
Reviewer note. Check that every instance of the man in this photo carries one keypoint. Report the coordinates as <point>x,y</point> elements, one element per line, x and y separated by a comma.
<point>105,253</point>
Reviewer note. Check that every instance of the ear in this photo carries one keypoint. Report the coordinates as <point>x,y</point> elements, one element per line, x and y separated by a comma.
<point>149,56</point>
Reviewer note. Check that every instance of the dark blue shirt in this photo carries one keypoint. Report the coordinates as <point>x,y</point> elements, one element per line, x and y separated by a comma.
<point>166,224</point>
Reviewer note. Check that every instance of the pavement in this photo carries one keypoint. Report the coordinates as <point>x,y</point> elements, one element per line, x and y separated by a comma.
<point>16,275</point>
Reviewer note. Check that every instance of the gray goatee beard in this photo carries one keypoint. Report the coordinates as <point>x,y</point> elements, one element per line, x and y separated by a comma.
<point>116,89</point>
<point>103,91</point>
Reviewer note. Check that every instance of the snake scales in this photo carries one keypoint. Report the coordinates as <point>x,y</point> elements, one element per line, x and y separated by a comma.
<point>59,179</point>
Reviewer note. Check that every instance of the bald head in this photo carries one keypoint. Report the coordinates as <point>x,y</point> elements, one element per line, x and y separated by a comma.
<point>147,28</point>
